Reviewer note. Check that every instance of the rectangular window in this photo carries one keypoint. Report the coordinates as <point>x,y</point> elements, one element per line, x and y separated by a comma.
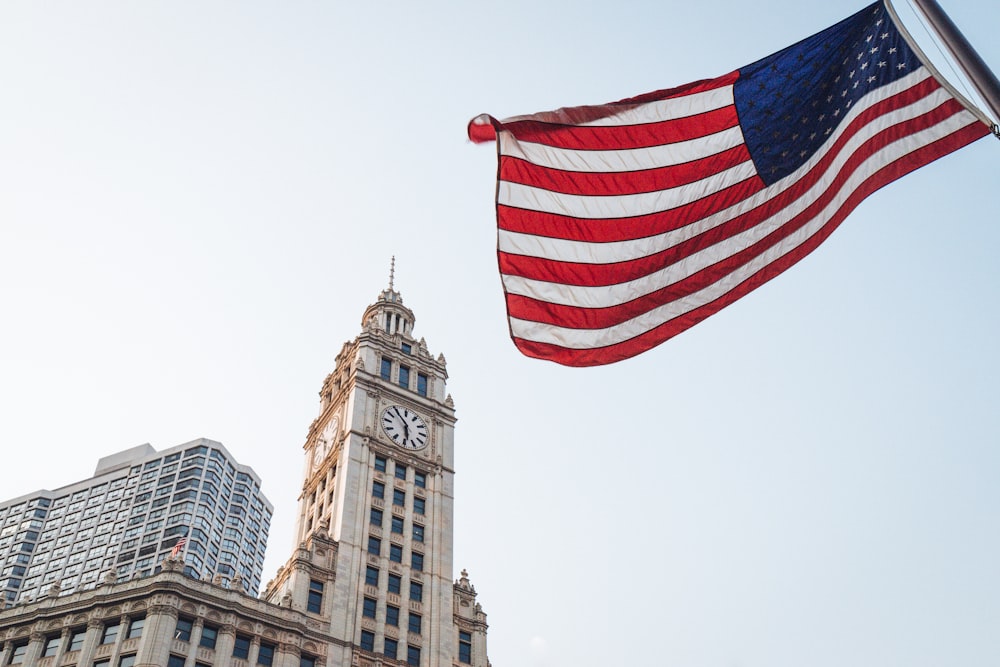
<point>397,525</point>
<point>371,576</point>
<point>395,583</point>
<point>135,628</point>
<point>465,647</point>
<point>76,640</point>
<point>304,661</point>
<point>51,646</point>
<point>413,655</point>
<point>375,517</point>
<point>265,656</point>
<point>386,370</point>
<point>241,649</point>
<point>419,479</point>
<point>416,591</point>
<point>421,384</point>
<point>400,471</point>
<point>374,546</point>
<point>395,553</point>
<point>127,661</point>
<point>315,603</point>
<point>417,561</point>
<point>183,629</point>
<point>368,608</point>
<point>367,640</point>
<point>406,348</point>
<point>380,463</point>
<point>418,533</point>
<point>175,661</point>
<point>392,615</point>
<point>418,506</point>
<point>17,657</point>
<point>391,648</point>
<point>208,637</point>
<point>404,376</point>
<point>110,634</point>
<point>415,623</point>
<point>399,497</point>
<point>378,490</point>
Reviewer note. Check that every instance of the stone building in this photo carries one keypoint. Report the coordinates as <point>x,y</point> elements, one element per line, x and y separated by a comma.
<point>370,580</point>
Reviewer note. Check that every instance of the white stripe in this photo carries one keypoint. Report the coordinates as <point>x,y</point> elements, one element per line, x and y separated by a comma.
<point>634,114</point>
<point>585,338</point>
<point>611,252</point>
<point>621,206</point>
<point>631,159</point>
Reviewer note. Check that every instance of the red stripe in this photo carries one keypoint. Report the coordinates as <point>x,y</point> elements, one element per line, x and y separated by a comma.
<point>597,318</point>
<point>653,337</point>
<point>624,137</point>
<point>516,170</point>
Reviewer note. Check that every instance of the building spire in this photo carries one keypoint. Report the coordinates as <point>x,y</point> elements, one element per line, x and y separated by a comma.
<point>392,274</point>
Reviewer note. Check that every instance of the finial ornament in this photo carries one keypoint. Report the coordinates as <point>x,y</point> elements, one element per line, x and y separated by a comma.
<point>392,273</point>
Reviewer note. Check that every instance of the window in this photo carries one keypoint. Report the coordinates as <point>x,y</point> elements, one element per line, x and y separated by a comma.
<point>127,661</point>
<point>208,636</point>
<point>371,576</point>
<point>419,479</point>
<point>406,348</point>
<point>183,629</point>
<point>395,553</point>
<point>395,583</point>
<point>416,591</point>
<point>418,532</point>
<point>375,518</point>
<point>418,506</point>
<point>110,634</point>
<point>421,384</point>
<point>399,497</point>
<point>367,640</point>
<point>175,661</point>
<point>265,656</point>
<point>305,661</point>
<point>400,471</point>
<point>374,545</point>
<point>417,561</point>
<point>465,647</point>
<point>51,646</point>
<point>102,663</point>
<point>135,628</point>
<point>17,657</point>
<point>241,649</point>
<point>397,525</point>
<point>391,648</point>
<point>76,640</point>
<point>378,490</point>
<point>386,370</point>
<point>413,655</point>
<point>368,609</point>
<point>415,623</point>
<point>380,463</point>
<point>404,376</point>
<point>315,603</point>
<point>392,615</point>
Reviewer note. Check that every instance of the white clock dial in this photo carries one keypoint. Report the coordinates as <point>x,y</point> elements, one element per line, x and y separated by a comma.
<point>404,427</point>
<point>325,442</point>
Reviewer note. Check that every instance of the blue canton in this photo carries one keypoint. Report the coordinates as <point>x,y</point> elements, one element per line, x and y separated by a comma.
<point>790,103</point>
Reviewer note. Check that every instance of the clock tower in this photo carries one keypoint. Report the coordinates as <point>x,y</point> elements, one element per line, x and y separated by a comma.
<point>373,557</point>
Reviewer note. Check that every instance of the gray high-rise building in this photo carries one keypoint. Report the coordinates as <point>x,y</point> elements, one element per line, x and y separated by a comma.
<point>130,515</point>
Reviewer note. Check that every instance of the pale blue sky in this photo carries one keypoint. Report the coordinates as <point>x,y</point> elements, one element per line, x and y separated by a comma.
<point>198,200</point>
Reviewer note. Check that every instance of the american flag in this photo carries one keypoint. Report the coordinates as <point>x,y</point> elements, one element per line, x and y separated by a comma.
<point>621,225</point>
<point>178,546</point>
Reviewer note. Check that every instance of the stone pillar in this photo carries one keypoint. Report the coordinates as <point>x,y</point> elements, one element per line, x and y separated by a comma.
<point>35,644</point>
<point>195,642</point>
<point>63,646</point>
<point>224,645</point>
<point>122,629</point>
<point>94,628</point>
<point>5,650</point>
<point>287,655</point>
<point>254,651</point>
<point>154,647</point>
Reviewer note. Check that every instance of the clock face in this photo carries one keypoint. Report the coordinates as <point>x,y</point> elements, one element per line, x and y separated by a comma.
<point>404,427</point>
<point>325,442</point>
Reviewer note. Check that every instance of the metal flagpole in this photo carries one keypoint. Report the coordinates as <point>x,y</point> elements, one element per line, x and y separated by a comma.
<point>984,81</point>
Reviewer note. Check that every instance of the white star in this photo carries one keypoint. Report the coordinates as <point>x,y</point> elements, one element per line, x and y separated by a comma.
<point>871,78</point>
<point>892,49</point>
<point>901,66</point>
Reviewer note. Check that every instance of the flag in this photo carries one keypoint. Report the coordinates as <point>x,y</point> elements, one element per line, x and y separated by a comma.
<point>624,224</point>
<point>177,547</point>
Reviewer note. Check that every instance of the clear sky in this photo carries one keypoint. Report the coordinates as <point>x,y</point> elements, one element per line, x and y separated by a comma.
<point>198,201</point>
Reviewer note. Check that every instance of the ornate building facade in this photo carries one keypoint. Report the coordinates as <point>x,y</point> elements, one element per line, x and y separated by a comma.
<point>370,582</point>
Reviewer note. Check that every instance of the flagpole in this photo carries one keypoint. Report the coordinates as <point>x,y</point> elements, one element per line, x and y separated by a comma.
<point>981,77</point>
